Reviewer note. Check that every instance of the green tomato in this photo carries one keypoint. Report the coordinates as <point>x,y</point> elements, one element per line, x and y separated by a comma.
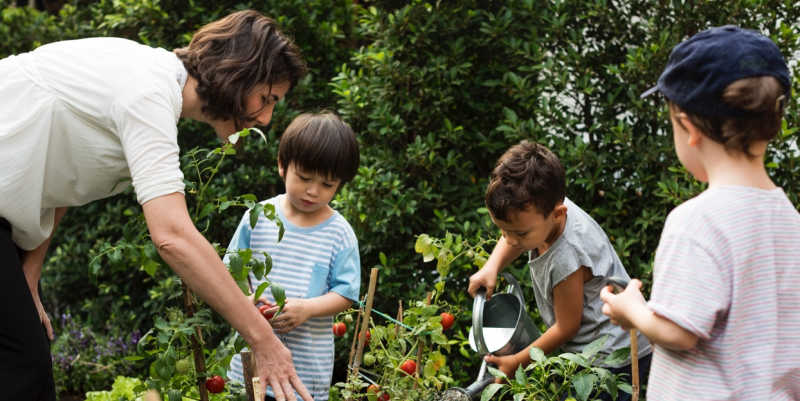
<point>369,359</point>
<point>183,366</point>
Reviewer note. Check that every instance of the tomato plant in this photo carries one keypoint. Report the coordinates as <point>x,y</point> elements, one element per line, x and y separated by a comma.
<point>409,366</point>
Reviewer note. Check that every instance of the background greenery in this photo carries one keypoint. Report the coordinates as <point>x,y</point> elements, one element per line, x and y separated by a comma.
<point>436,92</point>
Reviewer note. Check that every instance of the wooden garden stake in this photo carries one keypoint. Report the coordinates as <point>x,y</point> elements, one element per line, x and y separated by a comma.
<point>362,337</point>
<point>399,317</point>
<point>355,338</point>
<point>421,347</point>
<point>151,395</point>
<point>634,365</point>
<point>256,389</point>
<point>197,349</point>
<point>250,374</point>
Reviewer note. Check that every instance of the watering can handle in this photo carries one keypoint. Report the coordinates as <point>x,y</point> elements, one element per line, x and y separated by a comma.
<point>514,288</point>
<point>477,321</point>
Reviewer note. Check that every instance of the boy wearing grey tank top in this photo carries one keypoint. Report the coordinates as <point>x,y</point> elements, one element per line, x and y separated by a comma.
<point>569,256</point>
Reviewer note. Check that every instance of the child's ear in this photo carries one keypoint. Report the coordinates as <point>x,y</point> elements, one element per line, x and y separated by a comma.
<point>560,210</point>
<point>695,134</point>
<point>280,170</point>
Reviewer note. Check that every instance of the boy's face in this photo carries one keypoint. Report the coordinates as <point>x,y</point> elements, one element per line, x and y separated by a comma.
<point>308,193</point>
<point>529,229</point>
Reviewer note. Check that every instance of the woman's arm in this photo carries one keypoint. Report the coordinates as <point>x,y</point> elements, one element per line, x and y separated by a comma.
<point>193,258</point>
<point>32,262</point>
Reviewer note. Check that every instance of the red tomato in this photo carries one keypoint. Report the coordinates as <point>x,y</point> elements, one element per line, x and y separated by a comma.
<point>384,397</point>
<point>339,328</point>
<point>373,388</point>
<point>368,336</point>
<point>409,367</point>
<point>264,308</point>
<point>447,320</point>
<point>215,384</point>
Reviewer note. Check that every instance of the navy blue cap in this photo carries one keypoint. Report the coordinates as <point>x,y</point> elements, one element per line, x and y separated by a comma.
<point>701,67</point>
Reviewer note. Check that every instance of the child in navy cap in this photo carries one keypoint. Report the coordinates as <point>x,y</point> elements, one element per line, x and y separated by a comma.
<point>724,311</point>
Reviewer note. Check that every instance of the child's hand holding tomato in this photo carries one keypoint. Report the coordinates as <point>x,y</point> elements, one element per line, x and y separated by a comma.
<point>295,312</point>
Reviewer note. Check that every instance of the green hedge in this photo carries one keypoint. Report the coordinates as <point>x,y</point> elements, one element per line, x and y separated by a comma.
<point>436,91</point>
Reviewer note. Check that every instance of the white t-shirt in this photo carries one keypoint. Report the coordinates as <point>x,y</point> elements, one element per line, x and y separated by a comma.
<point>80,120</point>
<point>727,269</point>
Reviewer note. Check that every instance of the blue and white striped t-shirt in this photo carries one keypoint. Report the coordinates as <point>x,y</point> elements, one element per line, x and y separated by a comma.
<point>308,262</point>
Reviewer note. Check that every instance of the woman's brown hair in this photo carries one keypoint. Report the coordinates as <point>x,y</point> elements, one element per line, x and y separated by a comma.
<point>761,100</point>
<point>228,57</point>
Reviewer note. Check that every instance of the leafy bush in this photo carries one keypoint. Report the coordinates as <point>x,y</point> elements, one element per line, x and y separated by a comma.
<point>437,91</point>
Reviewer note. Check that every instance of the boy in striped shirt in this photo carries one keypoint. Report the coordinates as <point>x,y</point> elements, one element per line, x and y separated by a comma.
<point>317,260</point>
<point>724,311</point>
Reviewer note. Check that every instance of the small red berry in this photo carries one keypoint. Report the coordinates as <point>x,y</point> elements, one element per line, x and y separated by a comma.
<point>339,328</point>
<point>215,384</point>
<point>447,320</point>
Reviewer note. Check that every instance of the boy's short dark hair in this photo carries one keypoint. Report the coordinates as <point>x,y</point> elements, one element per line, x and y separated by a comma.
<point>228,57</point>
<point>320,143</point>
<point>526,174</point>
<point>763,97</point>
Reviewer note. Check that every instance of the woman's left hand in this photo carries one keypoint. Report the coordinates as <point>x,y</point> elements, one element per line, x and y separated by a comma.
<point>33,285</point>
<point>295,312</point>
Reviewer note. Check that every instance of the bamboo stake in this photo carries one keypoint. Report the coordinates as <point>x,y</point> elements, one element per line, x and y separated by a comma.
<point>635,365</point>
<point>197,349</point>
<point>355,338</point>
<point>250,374</point>
<point>258,395</point>
<point>399,317</point>
<point>362,337</point>
<point>151,395</point>
<point>421,347</point>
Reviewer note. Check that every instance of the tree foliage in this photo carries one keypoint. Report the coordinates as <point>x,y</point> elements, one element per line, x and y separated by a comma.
<point>436,91</point>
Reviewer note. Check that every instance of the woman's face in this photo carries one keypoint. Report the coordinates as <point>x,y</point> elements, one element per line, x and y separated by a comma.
<point>259,105</point>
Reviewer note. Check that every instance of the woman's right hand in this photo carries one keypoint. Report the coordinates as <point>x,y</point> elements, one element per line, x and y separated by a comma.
<point>275,368</point>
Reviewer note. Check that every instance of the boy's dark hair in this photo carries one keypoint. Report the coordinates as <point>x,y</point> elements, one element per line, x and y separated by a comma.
<point>320,143</point>
<point>526,174</point>
<point>228,57</point>
<point>762,97</point>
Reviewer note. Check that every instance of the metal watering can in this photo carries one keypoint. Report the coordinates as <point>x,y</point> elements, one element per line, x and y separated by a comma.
<point>500,326</point>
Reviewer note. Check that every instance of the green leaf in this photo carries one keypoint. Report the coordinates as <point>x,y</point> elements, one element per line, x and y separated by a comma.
<point>537,355</point>
<point>279,294</point>
<point>618,356</point>
<point>254,212</point>
<point>489,391</point>
<point>577,359</point>
<point>519,375</point>
<point>497,372</point>
<point>594,347</point>
<point>382,257</point>
<point>583,384</point>
<point>260,290</point>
